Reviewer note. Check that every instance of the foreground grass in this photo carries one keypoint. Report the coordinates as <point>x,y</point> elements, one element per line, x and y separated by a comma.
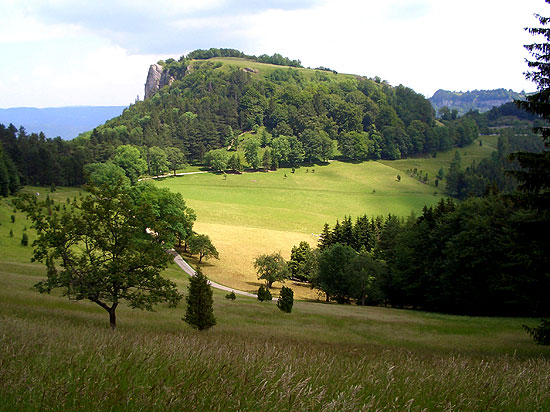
<point>58,355</point>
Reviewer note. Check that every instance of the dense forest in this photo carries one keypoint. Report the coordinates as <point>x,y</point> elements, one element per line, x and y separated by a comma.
<point>459,258</point>
<point>210,102</point>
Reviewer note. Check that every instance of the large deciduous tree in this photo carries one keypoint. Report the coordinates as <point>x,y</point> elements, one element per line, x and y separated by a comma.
<point>158,161</point>
<point>175,158</point>
<point>99,249</point>
<point>129,158</point>
<point>172,221</point>
<point>271,268</point>
<point>202,245</point>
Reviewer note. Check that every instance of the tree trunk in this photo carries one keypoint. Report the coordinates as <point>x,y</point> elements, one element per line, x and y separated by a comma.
<point>200,257</point>
<point>110,310</point>
<point>112,317</point>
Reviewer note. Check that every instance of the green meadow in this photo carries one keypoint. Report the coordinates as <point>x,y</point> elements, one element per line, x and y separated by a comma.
<point>257,213</point>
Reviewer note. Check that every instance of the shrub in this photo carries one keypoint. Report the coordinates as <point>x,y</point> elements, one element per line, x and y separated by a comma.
<point>231,296</point>
<point>25,240</point>
<point>541,333</point>
<point>286,300</point>
<point>12,218</point>
<point>264,294</point>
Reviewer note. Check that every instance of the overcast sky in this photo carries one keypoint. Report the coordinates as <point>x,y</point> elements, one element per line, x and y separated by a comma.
<point>97,52</point>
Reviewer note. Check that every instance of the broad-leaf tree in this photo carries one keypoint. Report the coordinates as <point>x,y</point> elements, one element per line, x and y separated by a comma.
<point>99,249</point>
<point>271,268</point>
<point>202,245</point>
<point>158,161</point>
<point>129,158</point>
<point>175,158</point>
<point>172,221</point>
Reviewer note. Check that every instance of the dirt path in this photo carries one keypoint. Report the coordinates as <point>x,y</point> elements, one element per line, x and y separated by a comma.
<point>191,272</point>
<point>172,175</point>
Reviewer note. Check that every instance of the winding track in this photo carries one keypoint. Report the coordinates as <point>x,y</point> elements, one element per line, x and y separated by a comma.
<point>191,272</point>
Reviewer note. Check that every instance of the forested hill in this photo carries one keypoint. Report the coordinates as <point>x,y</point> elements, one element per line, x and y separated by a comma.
<point>206,102</point>
<point>480,100</point>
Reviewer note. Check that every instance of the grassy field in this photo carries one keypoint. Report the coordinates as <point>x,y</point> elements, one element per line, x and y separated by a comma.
<point>256,213</point>
<point>472,153</point>
<point>61,355</point>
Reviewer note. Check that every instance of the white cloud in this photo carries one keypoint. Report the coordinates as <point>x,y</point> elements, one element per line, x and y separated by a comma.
<point>67,52</point>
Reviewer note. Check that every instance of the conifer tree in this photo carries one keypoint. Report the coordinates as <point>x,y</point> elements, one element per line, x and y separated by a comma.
<point>199,313</point>
<point>286,300</point>
<point>264,294</point>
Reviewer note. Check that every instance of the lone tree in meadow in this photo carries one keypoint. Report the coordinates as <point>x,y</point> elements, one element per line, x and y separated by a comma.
<point>202,245</point>
<point>199,313</point>
<point>271,268</point>
<point>99,249</point>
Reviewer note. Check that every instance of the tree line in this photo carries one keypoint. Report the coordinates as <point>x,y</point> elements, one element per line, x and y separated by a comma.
<point>476,257</point>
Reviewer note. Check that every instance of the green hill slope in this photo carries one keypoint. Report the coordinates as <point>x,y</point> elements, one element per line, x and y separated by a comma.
<point>203,103</point>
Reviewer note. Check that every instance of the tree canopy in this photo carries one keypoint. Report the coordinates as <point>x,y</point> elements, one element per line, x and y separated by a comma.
<point>99,249</point>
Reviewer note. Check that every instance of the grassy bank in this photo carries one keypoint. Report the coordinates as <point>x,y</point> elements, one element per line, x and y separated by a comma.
<point>59,355</point>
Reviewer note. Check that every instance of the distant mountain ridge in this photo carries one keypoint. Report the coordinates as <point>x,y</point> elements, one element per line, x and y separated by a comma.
<point>481,100</point>
<point>66,122</point>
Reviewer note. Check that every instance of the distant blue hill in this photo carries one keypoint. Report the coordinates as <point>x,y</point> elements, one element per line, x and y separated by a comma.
<point>66,122</point>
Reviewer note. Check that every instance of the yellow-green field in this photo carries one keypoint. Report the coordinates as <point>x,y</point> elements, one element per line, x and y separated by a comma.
<point>469,154</point>
<point>262,212</point>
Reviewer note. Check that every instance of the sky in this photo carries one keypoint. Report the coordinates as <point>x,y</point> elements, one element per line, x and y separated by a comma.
<point>69,52</point>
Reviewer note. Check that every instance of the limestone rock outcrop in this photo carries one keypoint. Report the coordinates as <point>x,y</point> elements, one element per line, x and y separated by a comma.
<point>152,84</point>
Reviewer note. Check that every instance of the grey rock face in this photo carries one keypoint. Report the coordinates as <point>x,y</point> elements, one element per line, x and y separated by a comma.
<point>152,85</point>
<point>157,78</point>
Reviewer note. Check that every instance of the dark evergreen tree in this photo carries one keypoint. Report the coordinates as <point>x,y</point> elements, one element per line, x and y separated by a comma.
<point>286,300</point>
<point>264,294</point>
<point>199,313</point>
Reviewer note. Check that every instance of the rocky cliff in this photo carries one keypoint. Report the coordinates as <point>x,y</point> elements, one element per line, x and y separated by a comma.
<point>157,78</point>
<point>481,100</point>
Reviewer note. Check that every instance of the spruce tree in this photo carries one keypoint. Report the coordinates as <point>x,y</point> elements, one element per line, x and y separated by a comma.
<point>264,294</point>
<point>286,300</point>
<point>199,313</point>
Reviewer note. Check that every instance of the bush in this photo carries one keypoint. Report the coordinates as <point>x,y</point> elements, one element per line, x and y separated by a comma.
<point>231,296</point>
<point>25,240</point>
<point>541,333</point>
<point>264,294</point>
<point>286,300</point>
<point>12,218</point>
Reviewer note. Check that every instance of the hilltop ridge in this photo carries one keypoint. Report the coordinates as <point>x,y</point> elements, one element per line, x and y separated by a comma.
<point>480,100</point>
